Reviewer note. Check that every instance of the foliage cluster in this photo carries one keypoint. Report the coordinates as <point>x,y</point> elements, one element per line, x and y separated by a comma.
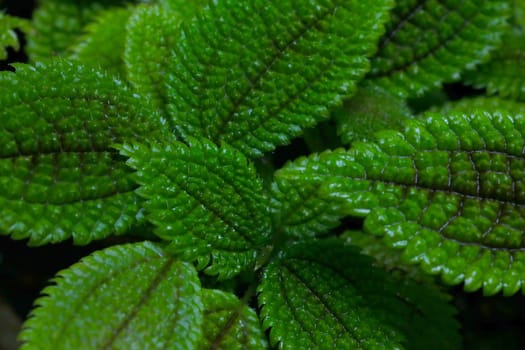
<point>163,122</point>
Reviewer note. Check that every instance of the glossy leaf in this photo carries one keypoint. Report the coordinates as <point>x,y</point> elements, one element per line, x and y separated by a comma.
<point>102,43</point>
<point>8,36</point>
<point>449,191</point>
<point>206,200</point>
<point>504,74</point>
<point>229,324</point>
<point>124,297</point>
<point>299,207</point>
<point>428,42</point>
<point>370,110</point>
<point>325,295</point>
<point>483,104</point>
<point>59,176</point>
<point>254,73</point>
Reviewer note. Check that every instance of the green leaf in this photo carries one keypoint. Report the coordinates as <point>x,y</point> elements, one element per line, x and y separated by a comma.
<point>324,294</point>
<point>8,36</point>
<point>57,25</point>
<point>504,74</point>
<point>518,13</point>
<point>102,43</point>
<point>254,73</point>
<point>156,28</point>
<point>483,104</point>
<point>449,191</point>
<point>186,8</point>
<point>229,324</point>
<point>206,200</point>
<point>124,297</point>
<point>429,42</point>
<point>59,176</point>
<point>370,110</point>
<point>298,205</point>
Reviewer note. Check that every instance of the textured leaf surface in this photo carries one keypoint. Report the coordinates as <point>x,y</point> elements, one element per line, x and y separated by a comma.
<point>253,73</point>
<point>504,74</point>
<point>370,110</point>
<point>8,37</point>
<point>449,191</point>
<point>483,104</point>
<point>156,28</point>
<point>229,324</point>
<point>103,41</point>
<point>428,42</point>
<point>298,204</point>
<point>325,295</point>
<point>206,200</point>
<point>59,176</point>
<point>125,297</point>
<point>57,25</point>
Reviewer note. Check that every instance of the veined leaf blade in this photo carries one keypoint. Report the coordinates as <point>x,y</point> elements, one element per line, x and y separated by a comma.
<point>102,43</point>
<point>254,73</point>
<point>504,74</point>
<point>60,177</point>
<point>428,42</point>
<point>123,297</point>
<point>449,191</point>
<point>325,295</point>
<point>206,200</point>
<point>229,324</point>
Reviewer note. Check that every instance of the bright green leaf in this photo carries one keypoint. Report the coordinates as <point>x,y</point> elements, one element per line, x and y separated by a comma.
<point>482,104</point>
<point>447,190</point>
<point>205,199</point>
<point>325,295</point>
<point>125,297</point>
<point>370,110</point>
<point>298,206</point>
<point>186,8</point>
<point>504,74</point>
<point>229,324</point>
<point>254,73</point>
<point>102,43</point>
<point>429,42</point>
<point>59,176</point>
<point>8,36</point>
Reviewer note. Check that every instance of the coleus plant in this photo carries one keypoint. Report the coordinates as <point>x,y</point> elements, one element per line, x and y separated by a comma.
<point>158,121</point>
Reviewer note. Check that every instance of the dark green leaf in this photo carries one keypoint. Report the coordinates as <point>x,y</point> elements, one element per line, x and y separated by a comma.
<point>229,324</point>
<point>370,110</point>
<point>57,25</point>
<point>59,176</point>
<point>206,200</point>
<point>155,28</point>
<point>325,295</point>
<point>449,191</point>
<point>504,74</point>
<point>298,205</point>
<point>125,297</point>
<point>254,73</point>
<point>429,42</point>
